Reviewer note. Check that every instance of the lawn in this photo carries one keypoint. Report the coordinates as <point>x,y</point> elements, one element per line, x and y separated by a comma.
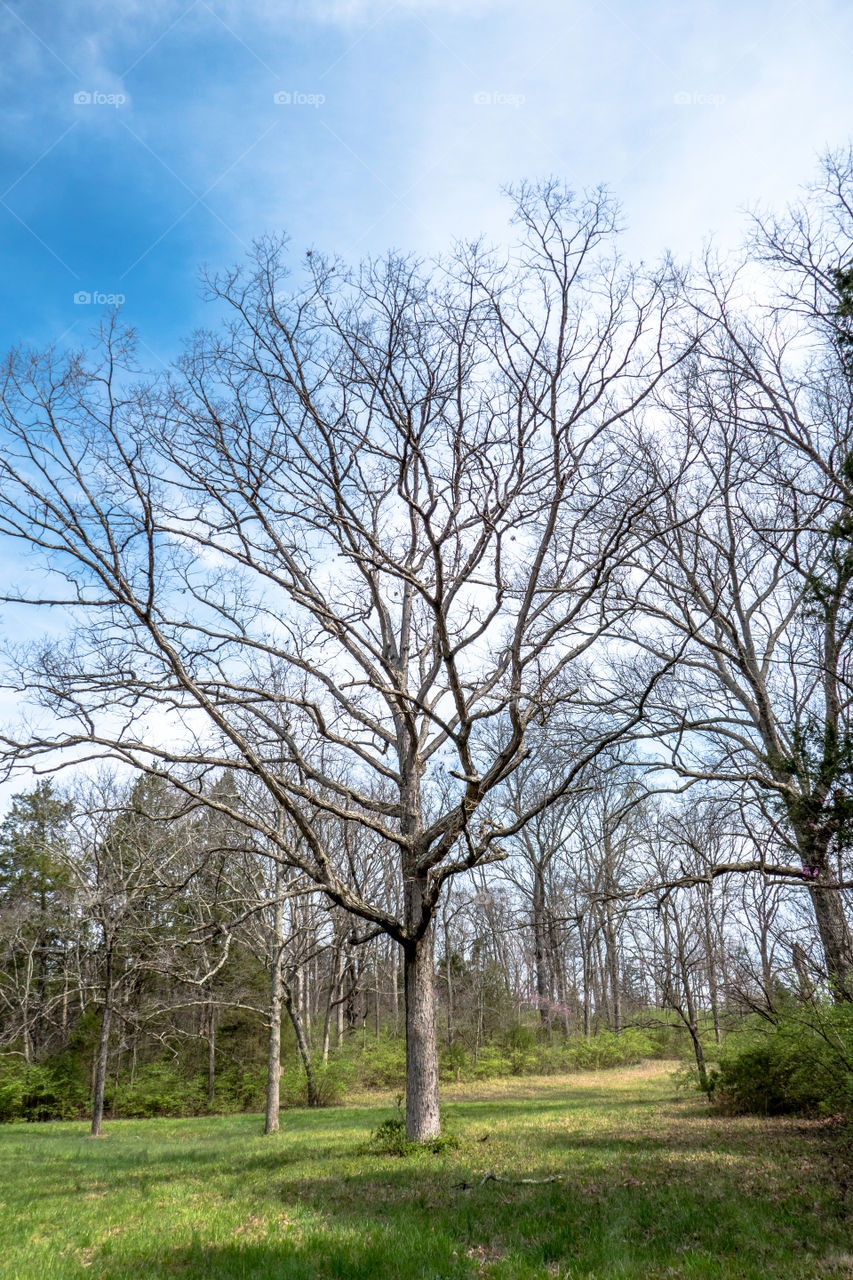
<point>651,1186</point>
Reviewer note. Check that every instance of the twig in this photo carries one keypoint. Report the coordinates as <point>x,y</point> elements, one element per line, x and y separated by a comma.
<point>494,1177</point>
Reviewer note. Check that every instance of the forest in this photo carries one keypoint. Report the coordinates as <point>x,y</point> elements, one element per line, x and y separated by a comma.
<point>444,673</point>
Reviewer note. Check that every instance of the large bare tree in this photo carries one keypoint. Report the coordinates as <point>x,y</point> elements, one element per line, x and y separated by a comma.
<point>368,532</point>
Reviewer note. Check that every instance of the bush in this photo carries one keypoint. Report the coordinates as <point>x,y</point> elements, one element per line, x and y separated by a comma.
<point>54,1090</point>
<point>158,1089</point>
<point>607,1049</point>
<point>331,1078</point>
<point>800,1064</point>
<point>389,1139</point>
<point>378,1064</point>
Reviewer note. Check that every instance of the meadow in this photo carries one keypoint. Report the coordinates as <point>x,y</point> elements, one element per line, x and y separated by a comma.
<point>651,1185</point>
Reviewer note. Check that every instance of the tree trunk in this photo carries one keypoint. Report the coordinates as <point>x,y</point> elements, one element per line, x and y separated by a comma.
<point>273,1098</point>
<point>802,970</point>
<point>449,981</point>
<point>302,1045</point>
<point>103,1049</point>
<point>540,958</point>
<point>558,971</point>
<point>395,989</point>
<point>835,938</point>
<point>211,1056</point>
<point>612,963</point>
<point>273,1095</point>
<point>691,1019</point>
<point>335,973</point>
<point>422,1113</point>
<point>350,1010</point>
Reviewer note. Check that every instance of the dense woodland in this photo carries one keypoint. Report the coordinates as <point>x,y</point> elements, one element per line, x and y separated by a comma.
<point>455,677</point>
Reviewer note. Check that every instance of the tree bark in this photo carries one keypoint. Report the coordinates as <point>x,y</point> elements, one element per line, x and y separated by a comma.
<point>612,965</point>
<point>103,1049</point>
<point>211,1055</point>
<point>422,1111</point>
<point>273,1093</point>
<point>335,975</point>
<point>302,1045</point>
<point>540,956</point>
<point>835,938</point>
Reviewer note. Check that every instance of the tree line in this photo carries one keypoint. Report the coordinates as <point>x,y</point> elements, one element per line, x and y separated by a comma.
<point>137,931</point>
<point>407,567</point>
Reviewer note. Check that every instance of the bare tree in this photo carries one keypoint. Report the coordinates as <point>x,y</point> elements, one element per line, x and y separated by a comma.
<point>123,848</point>
<point>363,538</point>
<point>751,562</point>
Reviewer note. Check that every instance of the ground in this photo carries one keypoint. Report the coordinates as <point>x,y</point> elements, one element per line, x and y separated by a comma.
<point>651,1186</point>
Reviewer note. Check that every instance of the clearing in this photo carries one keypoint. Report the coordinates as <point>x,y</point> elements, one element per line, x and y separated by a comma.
<point>652,1186</point>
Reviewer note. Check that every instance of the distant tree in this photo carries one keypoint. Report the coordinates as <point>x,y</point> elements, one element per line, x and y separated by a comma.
<point>749,559</point>
<point>34,883</point>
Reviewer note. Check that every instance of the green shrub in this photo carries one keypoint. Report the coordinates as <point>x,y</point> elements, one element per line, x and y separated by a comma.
<point>389,1139</point>
<point>800,1064</point>
<point>158,1089</point>
<point>378,1064</point>
<point>607,1049</point>
<point>53,1090</point>
<point>490,1062</point>
<point>332,1080</point>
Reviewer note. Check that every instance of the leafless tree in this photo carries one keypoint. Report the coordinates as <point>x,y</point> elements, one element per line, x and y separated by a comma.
<point>751,562</point>
<point>366,535</point>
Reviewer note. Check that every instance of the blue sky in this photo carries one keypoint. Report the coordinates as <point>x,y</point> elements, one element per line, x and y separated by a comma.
<point>403,122</point>
<point>146,138</point>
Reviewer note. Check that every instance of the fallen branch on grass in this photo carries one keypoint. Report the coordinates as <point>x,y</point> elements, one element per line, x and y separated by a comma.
<point>516,1182</point>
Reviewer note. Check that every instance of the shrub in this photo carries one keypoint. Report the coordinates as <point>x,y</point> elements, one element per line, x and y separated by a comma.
<point>800,1064</point>
<point>607,1049</point>
<point>331,1078</point>
<point>389,1139</point>
<point>159,1089</point>
<point>53,1090</point>
<point>378,1064</point>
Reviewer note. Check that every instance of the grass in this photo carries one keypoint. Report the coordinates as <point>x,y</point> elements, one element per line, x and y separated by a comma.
<point>652,1187</point>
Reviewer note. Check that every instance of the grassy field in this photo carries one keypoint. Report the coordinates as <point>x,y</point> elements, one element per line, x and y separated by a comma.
<point>652,1186</point>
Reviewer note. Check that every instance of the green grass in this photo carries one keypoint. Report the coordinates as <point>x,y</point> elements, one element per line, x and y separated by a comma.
<point>652,1187</point>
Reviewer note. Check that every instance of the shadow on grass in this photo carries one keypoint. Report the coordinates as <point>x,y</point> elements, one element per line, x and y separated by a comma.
<point>307,1204</point>
<point>408,1227</point>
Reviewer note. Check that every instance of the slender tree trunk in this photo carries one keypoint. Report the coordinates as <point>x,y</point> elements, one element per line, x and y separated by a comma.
<point>302,1045</point>
<point>802,970</point>
<point>211,1055</point>
<point>339,1012</point>
<point>699,1053</point>
<point>612,963</point>
<point>335,971</point>
<point>350,1009</point>
<point>103,1049</point>
<point>448,975</point>
<point>25,1012</point>
<point>395,985</point>
<point>599,979</point>
<point>422,1111</point>
<point>540,959</point>
<point>585,966</point>
<point>690,1017</point>
<point>63,1025</point>
<point>273,1094</point>
<point>558,971</point>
